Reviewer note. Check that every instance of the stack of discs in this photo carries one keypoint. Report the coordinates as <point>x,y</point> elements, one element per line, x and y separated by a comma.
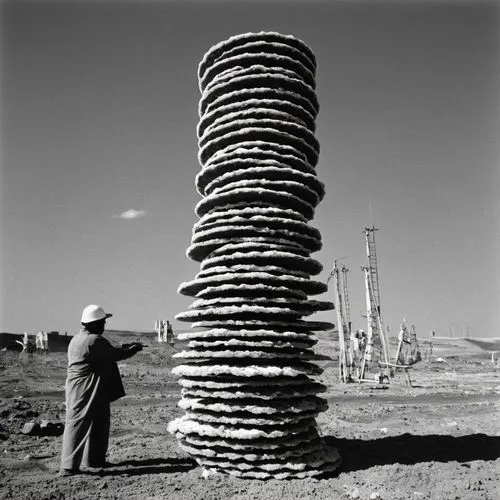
<point>248,390</point>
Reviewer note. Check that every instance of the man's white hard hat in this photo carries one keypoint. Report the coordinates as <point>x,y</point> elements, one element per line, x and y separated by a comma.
<point>94,313</point>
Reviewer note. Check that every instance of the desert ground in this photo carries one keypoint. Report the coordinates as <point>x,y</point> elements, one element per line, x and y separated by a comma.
<point>439,439</point>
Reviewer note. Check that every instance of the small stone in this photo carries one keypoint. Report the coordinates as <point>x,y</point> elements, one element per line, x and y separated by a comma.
<point>31,428</point>
<point>374,495</point>
<point>355,493</point>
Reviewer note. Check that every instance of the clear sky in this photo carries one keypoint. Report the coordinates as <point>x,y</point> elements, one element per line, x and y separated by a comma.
<point>99,109</point>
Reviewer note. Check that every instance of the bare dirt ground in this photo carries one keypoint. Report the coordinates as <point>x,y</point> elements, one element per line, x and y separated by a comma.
<point>437,440</point>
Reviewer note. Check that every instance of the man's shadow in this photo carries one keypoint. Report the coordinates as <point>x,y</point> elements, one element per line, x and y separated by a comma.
<point>149,466</point>
<point>407,449</point>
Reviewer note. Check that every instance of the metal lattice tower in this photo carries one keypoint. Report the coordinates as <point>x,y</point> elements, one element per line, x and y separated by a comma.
<point>342,306</point>
<point>375,326</point>
<point>372,265</point>
<point>345,296</point>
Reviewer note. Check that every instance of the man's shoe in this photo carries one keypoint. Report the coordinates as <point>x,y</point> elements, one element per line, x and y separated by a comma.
<point>68,472</point>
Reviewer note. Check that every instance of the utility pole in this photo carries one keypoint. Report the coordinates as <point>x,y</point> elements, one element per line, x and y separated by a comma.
<point>345,296</point>
<point>341,301</point>
<point>346,310</point>
<point>367,356</point>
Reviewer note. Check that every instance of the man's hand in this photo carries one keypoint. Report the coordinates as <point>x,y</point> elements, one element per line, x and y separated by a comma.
<point>137,346</point>
<point>134,346</point>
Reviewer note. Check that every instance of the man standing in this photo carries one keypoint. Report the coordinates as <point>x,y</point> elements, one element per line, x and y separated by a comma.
<point>93,382</point>
<point>169,333</point>
<point>45,341</point>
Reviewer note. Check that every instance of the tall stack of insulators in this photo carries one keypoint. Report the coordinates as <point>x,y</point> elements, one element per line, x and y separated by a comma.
<point>247,376</point>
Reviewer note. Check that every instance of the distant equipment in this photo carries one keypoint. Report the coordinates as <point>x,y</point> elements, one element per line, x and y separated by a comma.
<point>344,325</point>
<point>408,352</point>
<point>164,331</point>
<point>28,347</point>
<point>359,351</point>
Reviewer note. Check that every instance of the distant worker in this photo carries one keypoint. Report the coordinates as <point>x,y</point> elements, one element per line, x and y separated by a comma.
<point>159,329</point>
<point>93,382</point>
<point>39,342</point>
<point>163,330</point>
<point>26,342</point>
<point>362,341</point>
<point>169,333</point>
<point>428,352</point>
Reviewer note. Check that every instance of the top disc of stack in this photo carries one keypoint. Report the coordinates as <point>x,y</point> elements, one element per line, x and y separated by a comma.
<point>245,49</point>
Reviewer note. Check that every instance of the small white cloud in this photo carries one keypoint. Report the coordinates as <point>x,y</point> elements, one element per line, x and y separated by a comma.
<point>131,214</point>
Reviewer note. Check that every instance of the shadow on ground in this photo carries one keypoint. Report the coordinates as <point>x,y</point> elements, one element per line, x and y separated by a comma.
<point>357,454</point>
<point>407,449</point>
<point>149,466</point>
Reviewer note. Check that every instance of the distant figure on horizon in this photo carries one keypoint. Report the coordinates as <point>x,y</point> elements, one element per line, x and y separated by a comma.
<point>39,342</point>
<point>42,342</point>
<point>362,342</point>
<point>169,333</point>
<point>158,329</point>
<point>93,382</point>
<point>428,352</point>
<point>163,330</point>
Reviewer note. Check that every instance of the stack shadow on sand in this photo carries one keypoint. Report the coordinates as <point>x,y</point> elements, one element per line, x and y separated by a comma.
<point>247,377</point>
